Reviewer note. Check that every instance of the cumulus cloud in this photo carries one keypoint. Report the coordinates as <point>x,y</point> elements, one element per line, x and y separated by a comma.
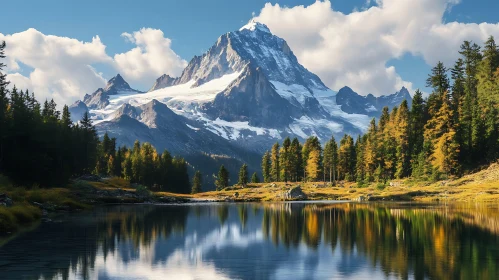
<point>353,49</point>
<point>61,68</point>
<point>151,58</point>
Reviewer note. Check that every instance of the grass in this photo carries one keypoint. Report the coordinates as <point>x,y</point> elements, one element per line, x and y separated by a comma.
<point>12,218</point>
<point>482,186</point>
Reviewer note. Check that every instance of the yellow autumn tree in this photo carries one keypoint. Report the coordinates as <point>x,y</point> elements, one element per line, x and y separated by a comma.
<point>313,165</point>
<point>440,131</point>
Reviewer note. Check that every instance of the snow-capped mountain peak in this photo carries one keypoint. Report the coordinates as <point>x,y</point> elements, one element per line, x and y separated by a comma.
<point>253,25</point>
<point>117,83</point>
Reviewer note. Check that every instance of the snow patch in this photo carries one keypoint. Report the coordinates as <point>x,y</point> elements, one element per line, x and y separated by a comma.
<point>253,25</point>
<point>192,127</point>
<point>180,98</point>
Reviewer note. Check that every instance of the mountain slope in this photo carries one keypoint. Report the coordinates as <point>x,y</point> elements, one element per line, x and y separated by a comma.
<point>155,123</point>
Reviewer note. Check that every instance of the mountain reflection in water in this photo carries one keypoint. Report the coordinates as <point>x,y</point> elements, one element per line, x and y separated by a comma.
<point>261,241</point>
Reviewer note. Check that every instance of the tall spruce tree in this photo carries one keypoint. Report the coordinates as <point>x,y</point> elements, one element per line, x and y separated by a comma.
<point>266,167</point>
<point>197,182</point>
<point>275,169</point>
<point>296,160</point>
<point>223,178</point>
<point>243,175</point>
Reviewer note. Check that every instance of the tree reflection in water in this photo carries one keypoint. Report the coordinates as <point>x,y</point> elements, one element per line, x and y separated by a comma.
<point>400,240</point>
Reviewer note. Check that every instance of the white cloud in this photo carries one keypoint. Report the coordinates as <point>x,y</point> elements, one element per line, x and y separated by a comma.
<point>61,65</point>
<point>151,58</point>
<point>61,68</point>
<point>353,49</point>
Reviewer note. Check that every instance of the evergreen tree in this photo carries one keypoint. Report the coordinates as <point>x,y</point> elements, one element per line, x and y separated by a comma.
<point>296,169</point>
<point>285,159</point>
<point>346,158</point>
<point>417,123</point>
<point>243,176</point>
<point>402,136</point>
<point>266,167</point>
<point>330,159</point>
<point>254,178</point>
<point>197,182</point>
<point>223,178</point>
<point>275,169</point>
<point>439,82</point>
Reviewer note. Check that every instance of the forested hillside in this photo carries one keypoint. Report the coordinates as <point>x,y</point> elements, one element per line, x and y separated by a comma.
<point>40,146</point>
<point>451,132</point>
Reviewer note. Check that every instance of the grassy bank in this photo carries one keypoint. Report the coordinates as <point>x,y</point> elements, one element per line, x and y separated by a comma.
<point>482,186</point>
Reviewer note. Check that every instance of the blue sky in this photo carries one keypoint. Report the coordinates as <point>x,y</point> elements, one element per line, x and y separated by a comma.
<point>193,26</point>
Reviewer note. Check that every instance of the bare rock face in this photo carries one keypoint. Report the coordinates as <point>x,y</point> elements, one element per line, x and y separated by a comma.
<point>252,98</point>
<point>163,82</point>
<point>295,193</point>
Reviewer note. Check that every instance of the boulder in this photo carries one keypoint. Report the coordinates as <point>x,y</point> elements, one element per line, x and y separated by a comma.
<point>295,193</point>
<point>361,198</point>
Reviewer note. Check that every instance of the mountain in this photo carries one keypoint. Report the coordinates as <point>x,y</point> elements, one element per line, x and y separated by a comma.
<point>77,110</point>
<point>248,88</point>
<point>353,103</point>
<point>229,104</point>
<point>100,98</point>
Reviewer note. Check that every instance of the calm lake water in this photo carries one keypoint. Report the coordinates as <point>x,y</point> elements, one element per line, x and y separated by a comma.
<point>261,241</point>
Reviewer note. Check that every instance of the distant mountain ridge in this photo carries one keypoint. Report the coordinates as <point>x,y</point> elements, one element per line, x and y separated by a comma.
<point>353,103</point>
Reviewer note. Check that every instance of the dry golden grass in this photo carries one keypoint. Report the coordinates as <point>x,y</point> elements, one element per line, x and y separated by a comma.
<point>482,186</point>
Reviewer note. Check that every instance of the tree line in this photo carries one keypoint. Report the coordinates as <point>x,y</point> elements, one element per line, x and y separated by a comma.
<point>41,146</point>
<point>452,131</point>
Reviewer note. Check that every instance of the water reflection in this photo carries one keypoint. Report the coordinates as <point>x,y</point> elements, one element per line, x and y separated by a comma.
<point>261,241</point>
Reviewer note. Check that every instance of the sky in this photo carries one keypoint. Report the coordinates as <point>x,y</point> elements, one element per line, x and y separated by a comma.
<point>64,49</point>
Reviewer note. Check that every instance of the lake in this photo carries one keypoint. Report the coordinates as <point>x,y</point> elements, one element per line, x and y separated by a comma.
<point>261,241</point>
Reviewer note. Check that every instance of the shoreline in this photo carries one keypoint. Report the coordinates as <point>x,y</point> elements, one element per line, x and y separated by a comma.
<point>29,207</point>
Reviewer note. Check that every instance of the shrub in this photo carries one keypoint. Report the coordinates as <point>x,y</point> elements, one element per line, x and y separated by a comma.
<point>380,186</point>
<point>142,191</point>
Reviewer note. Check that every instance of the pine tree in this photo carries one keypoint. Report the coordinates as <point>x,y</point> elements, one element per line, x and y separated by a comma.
<point>285,160</point>
<point>346,158</point>
<point>296,160</point>
<point>275,170</point>
<point>402,136</point>
<point>486,87</point>
<point>197,182</point>
<point>243,175</point>
<point>368,153</point>
<point>266,167</point>
<point>439,82</point>
<point>223,178</point>
<point>417,123</point>
<point>4,102</point>
<point>330,159</point>
<point>254,178</point>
